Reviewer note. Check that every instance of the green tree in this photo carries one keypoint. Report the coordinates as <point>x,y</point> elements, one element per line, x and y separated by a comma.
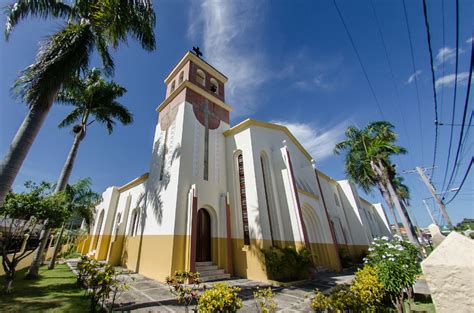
<point>22,216</point>
<point>80,201</point>
<point>89,25</point>
<point>368,162</point>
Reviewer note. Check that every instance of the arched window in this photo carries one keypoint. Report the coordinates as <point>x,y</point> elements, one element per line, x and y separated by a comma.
<point>133,223</point>
<point>173,86</point>
<point>269,198</point>
<point>243,198</point>
<point>201,77</point>
<point>214,86</point>
<point>181,78</point>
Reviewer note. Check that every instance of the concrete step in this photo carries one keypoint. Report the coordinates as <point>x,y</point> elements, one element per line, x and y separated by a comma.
<point>215,277</point>
<point>203,263</point>
<point>217,271</point>
<point>206,268</point>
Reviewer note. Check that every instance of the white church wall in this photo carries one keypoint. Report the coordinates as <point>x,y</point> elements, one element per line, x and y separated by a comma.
<point>160,195</point>
<point>382,219</point>
<point>108,204</point>
<point>354,219</point>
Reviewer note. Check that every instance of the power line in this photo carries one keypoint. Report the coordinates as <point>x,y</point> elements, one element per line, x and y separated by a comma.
<point>425,13</point>
<point>466,103</point>
<point>454,98</point>
<point>359,58</point>
<point>391,75</point>
<point>415,76</point>
<point>463,181</point>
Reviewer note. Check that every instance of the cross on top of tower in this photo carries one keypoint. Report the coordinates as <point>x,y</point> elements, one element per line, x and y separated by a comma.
<point>197,51</point>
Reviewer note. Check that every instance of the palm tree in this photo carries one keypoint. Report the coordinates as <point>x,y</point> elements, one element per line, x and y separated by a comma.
<point>92,97</point>
<point>89,25</point>
<point>368,162</point>
<point>81,201</point>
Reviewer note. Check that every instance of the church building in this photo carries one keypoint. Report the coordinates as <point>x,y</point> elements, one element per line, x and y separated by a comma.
<point>216,195</point>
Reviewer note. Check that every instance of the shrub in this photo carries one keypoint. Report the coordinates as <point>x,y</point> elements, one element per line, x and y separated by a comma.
<point>185,294</point>
<point>398,265</point>
<point>220,298</point>
<point>101,282</point>
<point>319,303</point>
<point>343,298</point>
<point>264,300</point>
<point>368,288</point>
<point>287,264</point>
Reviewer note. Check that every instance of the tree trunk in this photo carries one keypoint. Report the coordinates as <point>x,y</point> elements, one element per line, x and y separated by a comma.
<point>396,201</point>
<point>9,277</point>
<point>386,196</point>
<point>38,259</point>
<point>21,144</point>
<point>62,183</point>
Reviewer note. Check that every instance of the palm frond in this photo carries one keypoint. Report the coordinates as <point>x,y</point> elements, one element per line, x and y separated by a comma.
<point>39,8</point>
<point>59,60</point>
<point>72,118</point>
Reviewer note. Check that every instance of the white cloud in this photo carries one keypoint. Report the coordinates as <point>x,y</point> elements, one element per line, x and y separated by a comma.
<point>229,32</point>
<point>445,54</point>
<point>448,80</point>
<point>318,141</point>
<point>469,40</point>
<point>413,76</point>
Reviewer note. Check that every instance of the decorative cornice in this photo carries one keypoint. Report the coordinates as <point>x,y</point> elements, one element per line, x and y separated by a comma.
<point>251,122</point>
<point>198,61</point>
<point>308,194</point>
<point>196,89</point>
<point>133,183</point>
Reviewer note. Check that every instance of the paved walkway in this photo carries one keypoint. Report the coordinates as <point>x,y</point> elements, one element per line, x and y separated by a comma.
<point>148,295</point>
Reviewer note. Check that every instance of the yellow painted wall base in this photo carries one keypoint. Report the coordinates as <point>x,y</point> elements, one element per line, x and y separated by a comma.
<point>22,264</point>
<point>115,252</point>
<point>102,247</point>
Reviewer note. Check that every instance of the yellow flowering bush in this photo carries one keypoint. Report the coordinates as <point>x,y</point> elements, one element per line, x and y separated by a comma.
<point>220,298</point>
<point>368,288</point>
<point>319,303</point>
<point>264,300</point>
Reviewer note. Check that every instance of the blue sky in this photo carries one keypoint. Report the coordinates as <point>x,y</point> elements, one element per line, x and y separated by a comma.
<point>287,61</point>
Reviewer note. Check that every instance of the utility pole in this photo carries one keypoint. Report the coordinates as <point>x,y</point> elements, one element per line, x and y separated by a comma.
<point>432,190</point>
<point>429,212</point>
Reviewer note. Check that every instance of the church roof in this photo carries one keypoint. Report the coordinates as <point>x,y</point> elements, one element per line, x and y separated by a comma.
<point>251,122</point>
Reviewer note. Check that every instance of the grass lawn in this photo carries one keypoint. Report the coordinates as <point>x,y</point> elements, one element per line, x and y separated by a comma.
<point>55,291</point>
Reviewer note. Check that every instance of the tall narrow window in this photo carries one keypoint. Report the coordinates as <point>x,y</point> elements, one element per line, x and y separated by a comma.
<point>268,195</point>
<point>336,200</point>
<point>201,78</point>
<point>173,86</point>
<point>243,199</point>
<point>133,223</point>
<point>163,156</point>
<point>181,78</point>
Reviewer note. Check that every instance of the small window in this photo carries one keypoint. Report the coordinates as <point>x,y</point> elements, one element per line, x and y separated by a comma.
<point>201,78</point>
<point>181,78</point>
<point>336,200</point>
<point>214,86</point>
<point>172,87</point>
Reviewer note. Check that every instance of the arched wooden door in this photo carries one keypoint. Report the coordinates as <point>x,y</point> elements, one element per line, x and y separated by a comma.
<point>203,248</point>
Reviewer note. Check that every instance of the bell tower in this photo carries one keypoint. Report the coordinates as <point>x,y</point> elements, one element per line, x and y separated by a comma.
<point>188,164</point>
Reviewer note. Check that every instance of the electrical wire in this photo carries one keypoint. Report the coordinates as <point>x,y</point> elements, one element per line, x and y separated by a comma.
<point>415,76</point>
<point>462,182</point>
<point>454,98</point>
<point>358,58</point>
<point>466,103</point>
<point>379,27</point>
<point>433,80</point>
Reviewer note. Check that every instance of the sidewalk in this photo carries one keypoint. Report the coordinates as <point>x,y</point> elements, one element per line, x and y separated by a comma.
<point>148,295</point>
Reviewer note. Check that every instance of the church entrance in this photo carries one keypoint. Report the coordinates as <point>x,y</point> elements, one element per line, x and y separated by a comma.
<point>203,248</point>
